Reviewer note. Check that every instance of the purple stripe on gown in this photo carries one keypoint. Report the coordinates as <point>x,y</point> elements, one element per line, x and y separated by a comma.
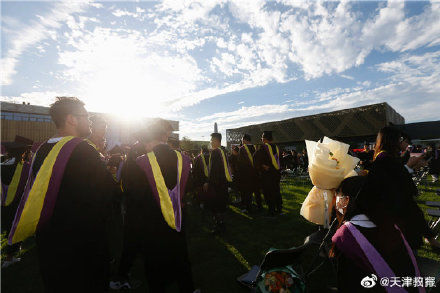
<point>21,184</point>
<point>145,165</point>
<point>175,200</point>
<point>380,266</point>
<point>55,180</point>
<point>345,242</point>
<point>275,154</point>
<point>4,193</point>
<point>176,193</point>
<point>29,184</point>
<point>23,179</point>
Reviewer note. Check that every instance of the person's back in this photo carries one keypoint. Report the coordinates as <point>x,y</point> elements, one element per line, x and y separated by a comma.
<point>267,165</point>
<point>83,198</point>
<point>353,266</point>
<point>74,189</point>
<point>163,243</point>
<point>368,241</point>
<point>200,170</point>
<point>396,194</point>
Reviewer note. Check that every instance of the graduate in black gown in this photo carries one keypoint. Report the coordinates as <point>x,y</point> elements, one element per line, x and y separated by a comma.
<point>362,218</point>
<point>163,248</point>
<point>396,191</point>
<point>132,243</point>
<point>217,185</point>
<point>236,176</point>
<point>17,153</point>
<point>200,173</point>
<point>269,173</point>
<point>248,175</point>
<point>72,246</point>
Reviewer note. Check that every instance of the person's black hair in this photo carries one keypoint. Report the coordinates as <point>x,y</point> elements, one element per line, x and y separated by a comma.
<point>158,128</point>
<point>204,150</point>
<point>216,135</point>
<point>388,139</point>
<point>267,134</point>
<point>247,137</point>
<point>64,106</point>
<point>352,187</point>
<point>97,120</point>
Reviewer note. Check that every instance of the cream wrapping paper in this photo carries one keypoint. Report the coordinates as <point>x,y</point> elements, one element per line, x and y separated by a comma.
<point>329,164</point>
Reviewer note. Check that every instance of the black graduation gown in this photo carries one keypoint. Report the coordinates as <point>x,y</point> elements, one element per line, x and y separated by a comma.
<point>8,213</point>
<point>165,249</point>
<point>390,246</point>
<point>72,246</point>
<point>198,172</point>
<point>394,190</point>
<point>248,175</point>
<point>217,197</point>
<point>270,179</point>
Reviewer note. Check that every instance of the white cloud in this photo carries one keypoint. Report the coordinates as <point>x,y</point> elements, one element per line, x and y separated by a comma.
<point>184,52</point>
<point>35,98</point>
<point>120,13</point>
<point>34,33</point>
<point>245,113</point>
<point>412,89</point>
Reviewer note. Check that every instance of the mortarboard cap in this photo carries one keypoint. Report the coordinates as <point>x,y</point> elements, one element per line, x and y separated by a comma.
<point>267,134</point>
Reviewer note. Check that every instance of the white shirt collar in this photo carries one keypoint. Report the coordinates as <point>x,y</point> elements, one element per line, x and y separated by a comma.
<point>362,220</point>
<point>54,139</point>
<point>9,162</point>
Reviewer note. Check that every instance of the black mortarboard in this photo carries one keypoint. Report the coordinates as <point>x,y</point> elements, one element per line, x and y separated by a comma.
<point>19,143</point>
<point>247,137</point>
<point>267,134</point>
<point>216,135</point>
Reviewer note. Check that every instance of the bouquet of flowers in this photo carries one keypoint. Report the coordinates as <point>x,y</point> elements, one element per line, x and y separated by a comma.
<point>329,164</point>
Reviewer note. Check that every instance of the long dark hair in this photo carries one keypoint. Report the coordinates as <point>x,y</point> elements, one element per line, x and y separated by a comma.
<point>351,187</point>
<point>388,139</point>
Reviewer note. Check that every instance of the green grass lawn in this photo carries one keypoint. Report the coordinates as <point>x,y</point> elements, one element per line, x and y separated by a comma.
<point>218,260</point>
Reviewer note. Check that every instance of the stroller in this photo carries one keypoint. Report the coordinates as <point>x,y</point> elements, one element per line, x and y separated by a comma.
<point>282,270</point>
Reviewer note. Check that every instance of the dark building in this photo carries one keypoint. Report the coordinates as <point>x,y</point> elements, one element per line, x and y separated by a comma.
<point>354,126</point>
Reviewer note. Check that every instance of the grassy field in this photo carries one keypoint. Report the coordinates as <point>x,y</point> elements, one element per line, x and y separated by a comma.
<point>218,260</point>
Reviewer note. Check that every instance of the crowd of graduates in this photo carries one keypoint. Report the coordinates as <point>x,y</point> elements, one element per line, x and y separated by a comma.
<point>68,190</point>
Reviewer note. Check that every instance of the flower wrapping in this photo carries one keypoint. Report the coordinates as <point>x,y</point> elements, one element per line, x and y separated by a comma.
<point>329,164</point>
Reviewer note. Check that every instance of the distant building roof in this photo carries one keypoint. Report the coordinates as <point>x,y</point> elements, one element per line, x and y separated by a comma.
<point>23,108</point>
<point>422,130</point>
<point>353,122</point>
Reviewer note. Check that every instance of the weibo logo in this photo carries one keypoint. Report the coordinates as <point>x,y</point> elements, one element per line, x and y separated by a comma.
<point>369,282</point>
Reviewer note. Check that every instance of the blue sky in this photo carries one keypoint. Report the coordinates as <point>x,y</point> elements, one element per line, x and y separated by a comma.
<point>231,62</point>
